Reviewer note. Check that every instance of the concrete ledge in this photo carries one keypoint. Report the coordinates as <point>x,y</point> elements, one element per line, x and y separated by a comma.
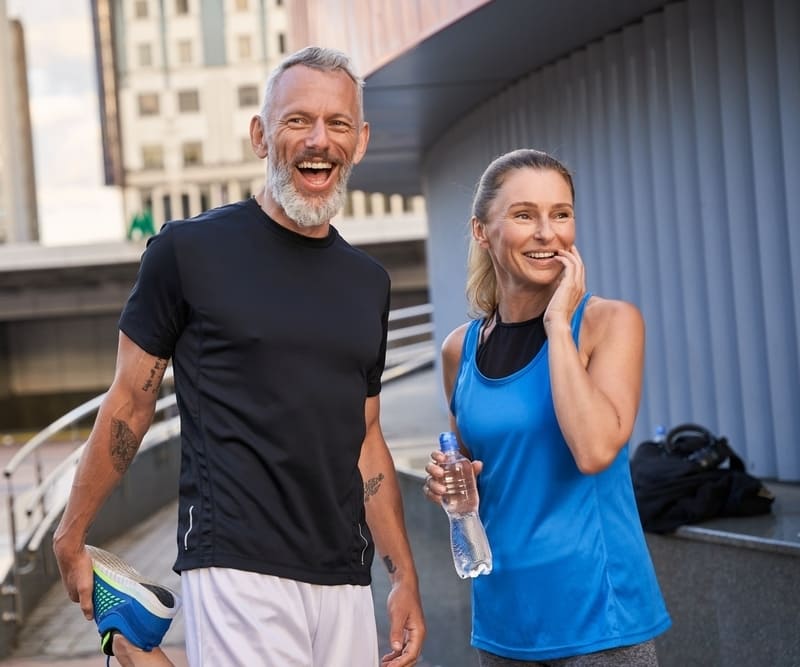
<point>150,483</point>
<point>732,587</point>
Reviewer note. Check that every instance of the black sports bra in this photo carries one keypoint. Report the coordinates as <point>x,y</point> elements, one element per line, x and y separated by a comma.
<point>509,347</point>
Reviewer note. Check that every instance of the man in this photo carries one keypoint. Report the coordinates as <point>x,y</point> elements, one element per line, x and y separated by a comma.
<point>277,332</point>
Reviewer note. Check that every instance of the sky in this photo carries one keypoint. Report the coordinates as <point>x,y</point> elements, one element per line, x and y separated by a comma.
<point>74,205</point>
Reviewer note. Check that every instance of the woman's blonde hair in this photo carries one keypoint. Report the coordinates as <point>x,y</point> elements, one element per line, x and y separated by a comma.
<point>481,286</point>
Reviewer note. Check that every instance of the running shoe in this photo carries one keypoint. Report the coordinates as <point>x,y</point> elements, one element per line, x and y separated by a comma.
<point>125,602</point>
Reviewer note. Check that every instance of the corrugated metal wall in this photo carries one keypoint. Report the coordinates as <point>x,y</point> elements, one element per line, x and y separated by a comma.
<point>683,133</point>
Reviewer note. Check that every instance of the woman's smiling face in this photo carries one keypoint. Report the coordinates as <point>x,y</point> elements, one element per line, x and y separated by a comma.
<point>530,220</point>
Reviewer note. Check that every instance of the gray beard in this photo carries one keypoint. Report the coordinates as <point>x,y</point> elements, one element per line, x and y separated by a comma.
<point>305,211</point>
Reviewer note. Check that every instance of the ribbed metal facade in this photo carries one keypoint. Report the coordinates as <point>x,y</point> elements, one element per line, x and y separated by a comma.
<point>683,134</point>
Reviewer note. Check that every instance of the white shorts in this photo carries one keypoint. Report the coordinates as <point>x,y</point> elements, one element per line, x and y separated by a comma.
<point>236,618</point>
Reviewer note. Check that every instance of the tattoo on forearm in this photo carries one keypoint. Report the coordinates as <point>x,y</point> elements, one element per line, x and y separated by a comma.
<point>153,383</point>
<point>123,445</point>
<point>390,566</point>
<point>371,486</point>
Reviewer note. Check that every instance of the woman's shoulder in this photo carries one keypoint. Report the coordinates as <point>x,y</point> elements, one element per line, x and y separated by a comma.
<point>603,315</point>
<point>454,341</point>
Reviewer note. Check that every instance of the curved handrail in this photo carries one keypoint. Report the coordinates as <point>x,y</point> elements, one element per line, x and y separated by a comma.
<point>171,426</point>
<point>48,482</point>
<point>65,420</point>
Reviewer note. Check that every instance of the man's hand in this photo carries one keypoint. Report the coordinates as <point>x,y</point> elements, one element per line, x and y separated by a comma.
<point>406,626</point>
<point>75,566</point>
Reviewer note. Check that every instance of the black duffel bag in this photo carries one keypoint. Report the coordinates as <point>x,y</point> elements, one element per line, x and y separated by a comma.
<point>693,476</point>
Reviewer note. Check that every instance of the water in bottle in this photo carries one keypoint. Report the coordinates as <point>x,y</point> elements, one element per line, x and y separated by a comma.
<point>471,553</point>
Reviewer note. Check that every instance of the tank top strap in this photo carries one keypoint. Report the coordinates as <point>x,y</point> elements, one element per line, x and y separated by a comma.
<point>468,348</point>
<point>577,317</point>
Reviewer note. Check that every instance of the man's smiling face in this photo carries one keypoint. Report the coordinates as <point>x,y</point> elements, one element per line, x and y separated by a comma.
<point>315,135</point>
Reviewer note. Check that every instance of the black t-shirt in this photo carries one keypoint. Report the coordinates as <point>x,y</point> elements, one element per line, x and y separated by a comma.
<point>277,340</point>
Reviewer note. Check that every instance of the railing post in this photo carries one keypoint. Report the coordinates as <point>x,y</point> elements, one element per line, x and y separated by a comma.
<point>14,590</point>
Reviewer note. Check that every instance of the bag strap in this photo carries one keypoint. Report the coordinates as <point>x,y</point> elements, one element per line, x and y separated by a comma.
<point>687,430</point>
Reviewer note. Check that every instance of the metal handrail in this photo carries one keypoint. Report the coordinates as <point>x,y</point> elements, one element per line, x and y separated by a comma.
<point>65,420</point>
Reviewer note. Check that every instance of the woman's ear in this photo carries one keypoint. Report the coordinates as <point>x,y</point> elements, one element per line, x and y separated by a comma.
<point>479,232</point>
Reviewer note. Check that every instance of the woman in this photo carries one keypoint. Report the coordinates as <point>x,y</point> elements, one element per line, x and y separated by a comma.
<point>543,388</point>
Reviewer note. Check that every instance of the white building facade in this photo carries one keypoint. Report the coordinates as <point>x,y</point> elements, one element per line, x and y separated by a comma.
<point>187,76</point>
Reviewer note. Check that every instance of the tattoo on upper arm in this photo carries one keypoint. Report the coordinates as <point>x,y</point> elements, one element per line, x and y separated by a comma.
<point>123,445</point>
<point>371,486</point>
<point>390,566</point>
<point>153,382</point>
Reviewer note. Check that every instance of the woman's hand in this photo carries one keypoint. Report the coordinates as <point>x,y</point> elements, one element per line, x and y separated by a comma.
<point>570,290</point>
<point>434,487</point>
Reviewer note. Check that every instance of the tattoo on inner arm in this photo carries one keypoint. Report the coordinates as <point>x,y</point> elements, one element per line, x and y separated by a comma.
<point>153,382</point>
<point>123,445</point>
<point>390,566</point>
<point>371,486</point>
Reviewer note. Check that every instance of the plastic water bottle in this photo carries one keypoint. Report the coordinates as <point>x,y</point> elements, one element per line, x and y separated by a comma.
<point>471,553</point>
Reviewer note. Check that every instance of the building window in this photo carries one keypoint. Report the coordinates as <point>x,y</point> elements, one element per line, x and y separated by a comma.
<point>248,96</point>
<point>242,5</point>
<point>279,3</point>
<point>185,52</point>
<point>245,47</point>
<point>145,55</point>
<point>181,7</point>
<point>166,202</point>
<point>281,43</point>
<point>192,153</point>
<point>148,104</point>
<point>185,206</point>
<point>152,157</point>
<point>188,100</point>
<point>140,9</point>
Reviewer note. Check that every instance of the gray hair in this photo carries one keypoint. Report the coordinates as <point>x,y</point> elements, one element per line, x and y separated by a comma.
<point>319,58</point>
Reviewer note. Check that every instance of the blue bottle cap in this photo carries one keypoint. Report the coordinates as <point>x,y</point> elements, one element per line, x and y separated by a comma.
<point>448,441</point>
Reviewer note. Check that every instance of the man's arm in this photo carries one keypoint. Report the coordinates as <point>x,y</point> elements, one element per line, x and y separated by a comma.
<point>122,420</point>
<point>384,508</point>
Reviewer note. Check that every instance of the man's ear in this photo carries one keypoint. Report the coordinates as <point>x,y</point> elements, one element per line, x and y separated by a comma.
<point>479,232</point>
<point>361,146</point>
<point>258,137</point>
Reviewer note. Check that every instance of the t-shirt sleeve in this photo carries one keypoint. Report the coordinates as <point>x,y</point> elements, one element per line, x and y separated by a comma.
<point>374,377</point>
<point>155,313</point>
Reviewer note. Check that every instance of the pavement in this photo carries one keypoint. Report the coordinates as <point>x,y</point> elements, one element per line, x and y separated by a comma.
<point>55,632</point>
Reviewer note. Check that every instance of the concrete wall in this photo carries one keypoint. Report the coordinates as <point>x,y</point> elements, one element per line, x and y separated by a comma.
<point>730,605</point>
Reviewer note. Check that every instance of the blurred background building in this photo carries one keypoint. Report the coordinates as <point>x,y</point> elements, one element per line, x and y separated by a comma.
<point>18,209</point>
<point>178,84</point>
<point>680,123</point>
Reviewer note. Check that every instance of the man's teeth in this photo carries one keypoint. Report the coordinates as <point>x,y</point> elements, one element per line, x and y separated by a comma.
<point>315,165</point>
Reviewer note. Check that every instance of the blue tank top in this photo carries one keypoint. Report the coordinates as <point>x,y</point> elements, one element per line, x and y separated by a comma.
<point>571,570</point>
